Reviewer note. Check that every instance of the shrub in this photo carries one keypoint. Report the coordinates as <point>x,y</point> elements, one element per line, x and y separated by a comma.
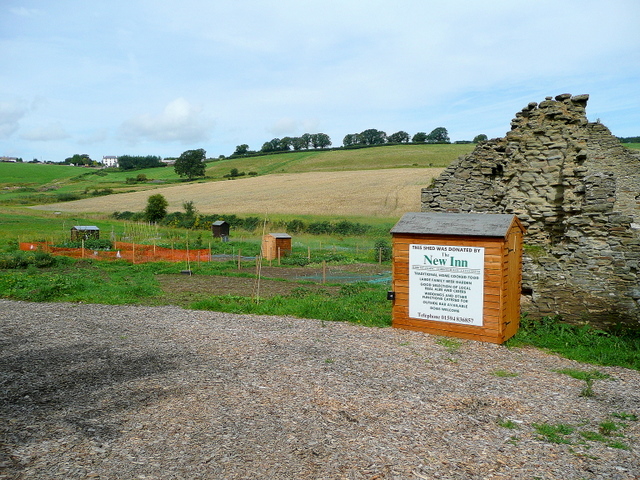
<point>382,250</point>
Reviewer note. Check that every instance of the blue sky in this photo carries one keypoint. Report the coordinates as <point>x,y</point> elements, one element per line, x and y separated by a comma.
<point>145,77</point>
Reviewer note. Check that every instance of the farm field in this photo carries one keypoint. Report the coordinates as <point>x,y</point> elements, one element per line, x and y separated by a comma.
<point>374,193</point>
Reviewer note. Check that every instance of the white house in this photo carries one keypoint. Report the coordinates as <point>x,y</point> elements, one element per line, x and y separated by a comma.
<point>110,161</point>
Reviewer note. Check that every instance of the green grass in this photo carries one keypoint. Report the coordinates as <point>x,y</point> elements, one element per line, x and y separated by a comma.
<point>609,433</point>
<point>362,304</point>
<point>583,343</point>
<point>558,433</point>
<point>386,156</point>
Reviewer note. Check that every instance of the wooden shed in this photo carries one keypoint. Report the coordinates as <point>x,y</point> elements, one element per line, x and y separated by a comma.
<point>276,245</point>
<point>87,232</point>
<point>220,229</point>
<point>458,275</point>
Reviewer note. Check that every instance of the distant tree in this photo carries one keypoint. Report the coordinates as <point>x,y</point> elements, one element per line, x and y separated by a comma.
<point>320,140</point>
<point>241,149</point>
<point>373,137</point>
<point>156,208</point>
<point>299,143</point>
<point>420,137</point>
<point>480,138</point>
<point>191,164</point>
<point>273,145</point>
<point>351,139</point>
<point>79,159</point>
<point>438,135</point>
<point>285,144</point>
<point>135,162</point>
<point>306,140</point>
<point>399,137</point>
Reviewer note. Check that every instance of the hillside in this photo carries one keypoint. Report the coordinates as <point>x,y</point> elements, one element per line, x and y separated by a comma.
<point>371,193</point>
<point>381,181</point>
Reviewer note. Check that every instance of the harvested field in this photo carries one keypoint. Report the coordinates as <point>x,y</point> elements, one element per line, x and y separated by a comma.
<point>375,193</point>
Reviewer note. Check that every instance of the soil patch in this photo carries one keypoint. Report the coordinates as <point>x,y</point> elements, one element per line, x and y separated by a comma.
<point>182,289</point>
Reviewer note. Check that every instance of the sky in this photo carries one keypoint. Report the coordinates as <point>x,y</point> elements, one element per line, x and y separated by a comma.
<point>143,77</point>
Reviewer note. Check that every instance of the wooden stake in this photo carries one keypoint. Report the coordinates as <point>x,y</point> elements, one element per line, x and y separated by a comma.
<point>324,271</point>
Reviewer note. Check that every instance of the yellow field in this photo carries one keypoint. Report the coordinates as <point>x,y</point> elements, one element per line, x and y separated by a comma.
<point>374,193</point>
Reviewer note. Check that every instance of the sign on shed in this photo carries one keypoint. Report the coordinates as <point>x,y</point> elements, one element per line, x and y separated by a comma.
<point>458,274</point>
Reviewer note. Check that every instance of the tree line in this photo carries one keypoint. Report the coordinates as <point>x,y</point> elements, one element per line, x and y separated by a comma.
<point>369,137</point>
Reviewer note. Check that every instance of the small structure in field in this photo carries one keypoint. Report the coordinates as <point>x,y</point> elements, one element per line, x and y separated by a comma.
<point>86,232</point>
<point>220,229</point>
<point>458,275</point>
<point>276,245</point>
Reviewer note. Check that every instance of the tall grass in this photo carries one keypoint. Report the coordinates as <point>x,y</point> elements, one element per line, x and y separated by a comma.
<point>583,343</point>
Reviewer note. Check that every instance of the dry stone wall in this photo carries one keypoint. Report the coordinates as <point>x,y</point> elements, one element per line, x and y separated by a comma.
<point>577,191</point>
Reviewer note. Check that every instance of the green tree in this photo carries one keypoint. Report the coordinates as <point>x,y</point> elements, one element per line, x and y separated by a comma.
<point>373,137</point>
<point>191,164</point>
<point>241,149</point>
<point>320,140</point>
<point>156,208</point>
<point>420,137</point>
<point>399,137</point>
<point>79,159</point>
<point>480,138</point>
<point>438,135</point>
<point>351,139</point>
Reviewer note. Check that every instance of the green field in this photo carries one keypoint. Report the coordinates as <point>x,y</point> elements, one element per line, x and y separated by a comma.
<point>34,184</point>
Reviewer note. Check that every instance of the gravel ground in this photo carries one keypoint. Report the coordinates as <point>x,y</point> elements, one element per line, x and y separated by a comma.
<point>126,392</point>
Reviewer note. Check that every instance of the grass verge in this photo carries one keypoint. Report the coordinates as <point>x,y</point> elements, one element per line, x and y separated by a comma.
<point>583,343</point>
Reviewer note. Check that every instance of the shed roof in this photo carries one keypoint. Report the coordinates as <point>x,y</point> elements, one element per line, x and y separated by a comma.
<point>466,224</point>
<point>85,227</point>
<point>219,222</point>
<point>280,235</point>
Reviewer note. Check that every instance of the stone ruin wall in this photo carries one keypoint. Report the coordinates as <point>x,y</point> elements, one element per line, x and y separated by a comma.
<point>577,191</point>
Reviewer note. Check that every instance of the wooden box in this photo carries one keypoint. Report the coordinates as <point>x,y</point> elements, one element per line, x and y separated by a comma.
<point>276,245</point>
<point>457,275</point>
<point>220,229</point>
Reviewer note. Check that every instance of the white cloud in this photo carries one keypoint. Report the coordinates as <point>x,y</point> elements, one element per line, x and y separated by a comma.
<point>180,121</point>
<point>10,115</point>
<point>25,12</point>
<point>47,133</point>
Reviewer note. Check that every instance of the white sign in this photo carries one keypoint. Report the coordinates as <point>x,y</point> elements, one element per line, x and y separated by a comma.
<point>446,283</point>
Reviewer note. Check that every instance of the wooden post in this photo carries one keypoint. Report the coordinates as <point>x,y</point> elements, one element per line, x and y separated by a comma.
<point>324,271</point>
<point>309,253</point>
<point>83,248</point>
<point>278,255</point>
<point>133,252</point>
<point>239,256</point>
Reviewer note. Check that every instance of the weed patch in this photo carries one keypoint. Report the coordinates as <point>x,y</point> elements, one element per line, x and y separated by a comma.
<point>580,342</point>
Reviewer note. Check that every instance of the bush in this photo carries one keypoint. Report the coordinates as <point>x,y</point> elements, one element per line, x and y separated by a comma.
<point>382,250</point>
<point>20,260</point>
<point>90,244</point>
<point>320,228</point>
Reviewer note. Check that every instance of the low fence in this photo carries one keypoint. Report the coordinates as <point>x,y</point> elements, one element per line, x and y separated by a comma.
<point>131,252</point>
